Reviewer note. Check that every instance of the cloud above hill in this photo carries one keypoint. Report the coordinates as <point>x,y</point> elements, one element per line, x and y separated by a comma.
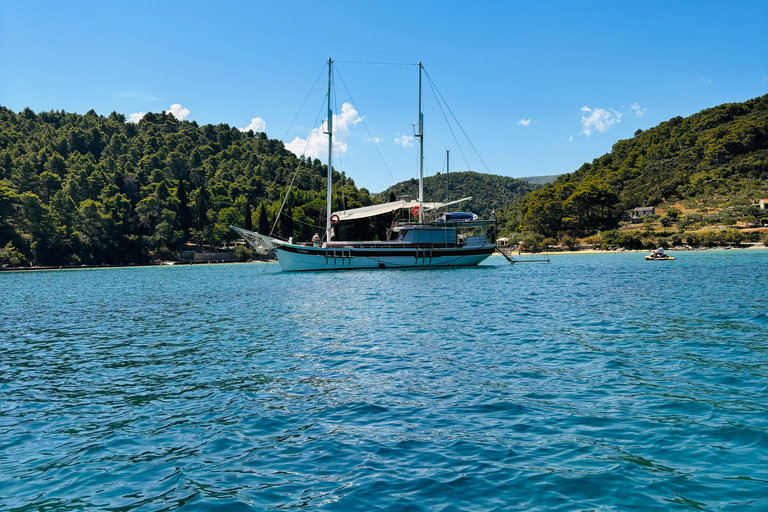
<point>316,144</point>
<point>258,125</point>
<point>598,120</point>
<point>178,111</point>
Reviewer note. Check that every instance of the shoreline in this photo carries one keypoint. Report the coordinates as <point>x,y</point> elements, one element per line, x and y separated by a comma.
<point>754,247</point>
<point>757,247</point>
<point>130,265</point>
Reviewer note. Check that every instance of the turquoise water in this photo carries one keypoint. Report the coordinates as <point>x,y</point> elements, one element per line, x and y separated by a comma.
<point>594,382</point>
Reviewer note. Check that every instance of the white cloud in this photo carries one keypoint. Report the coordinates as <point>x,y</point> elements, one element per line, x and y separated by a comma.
<point>599,120</point>
<point>638,111</point>
<point>406,141</point>
<point>136,117</point>
<point>317,143</point>
<point>258,125</point>
<point>375,140</point>
<point>178,111</point>
<point>524,122</point>
<point>570,139</point>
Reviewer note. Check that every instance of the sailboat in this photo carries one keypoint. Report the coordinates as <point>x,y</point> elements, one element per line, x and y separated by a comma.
<point>455,239</point>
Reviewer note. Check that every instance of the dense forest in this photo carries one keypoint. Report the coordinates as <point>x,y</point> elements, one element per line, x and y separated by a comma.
<point>711,166</point>
<point>541,180</point>
<point>88,189</point>
<point>488,191</point>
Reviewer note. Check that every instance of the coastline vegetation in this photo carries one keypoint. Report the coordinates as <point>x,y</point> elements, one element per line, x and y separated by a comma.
<point>704,175</point>
<point>488,191</point>
<point>89,189</point>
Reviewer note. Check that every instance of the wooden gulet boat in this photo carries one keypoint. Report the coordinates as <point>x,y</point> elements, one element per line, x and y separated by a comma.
<point>451,240</point>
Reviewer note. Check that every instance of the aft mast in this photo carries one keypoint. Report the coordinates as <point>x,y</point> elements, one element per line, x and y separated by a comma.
<point>447,170</point>
<point>420,135</point>
<point>329,126</point>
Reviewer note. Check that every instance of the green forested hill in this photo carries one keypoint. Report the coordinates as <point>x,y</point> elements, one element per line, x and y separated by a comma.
<point>541,180</point>
<point>488,191</point>
<point>713,161</point>
<point>93,189</point>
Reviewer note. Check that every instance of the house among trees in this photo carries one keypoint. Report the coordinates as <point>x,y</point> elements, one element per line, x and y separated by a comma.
<point>763,203</point>
<point>641,212</point>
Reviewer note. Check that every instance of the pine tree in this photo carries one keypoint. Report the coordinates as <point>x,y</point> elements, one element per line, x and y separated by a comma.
<point>185,215</point>
<point>248,218</point>
<point>203,200</point>
<point>263,221</point>
<point>287,223</point>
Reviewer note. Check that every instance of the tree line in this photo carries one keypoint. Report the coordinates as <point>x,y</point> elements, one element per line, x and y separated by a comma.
<point>488,191</point>
<point>716,159</point>
<point>91,189</point>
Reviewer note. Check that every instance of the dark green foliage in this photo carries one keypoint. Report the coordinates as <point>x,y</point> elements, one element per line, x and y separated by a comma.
<point>243,253</point>
<point>264,226</point>
<point>185,215</point>
<point>708,159</point>
<point>541,180</point>
<point>91,189</point>
<point>11,257</point>
<point>286,224</point>
<point>248,224</point>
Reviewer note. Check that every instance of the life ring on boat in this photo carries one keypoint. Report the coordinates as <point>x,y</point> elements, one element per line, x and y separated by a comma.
<point>334,219</point>
<point>415,211</point>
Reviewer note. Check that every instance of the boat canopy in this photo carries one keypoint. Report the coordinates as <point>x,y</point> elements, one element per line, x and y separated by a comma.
<point>378,209</point>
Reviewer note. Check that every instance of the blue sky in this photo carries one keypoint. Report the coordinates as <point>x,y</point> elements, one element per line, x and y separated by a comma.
<point>539,87</point>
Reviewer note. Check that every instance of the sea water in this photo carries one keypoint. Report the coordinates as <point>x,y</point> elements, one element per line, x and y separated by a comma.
<point>594,382</point>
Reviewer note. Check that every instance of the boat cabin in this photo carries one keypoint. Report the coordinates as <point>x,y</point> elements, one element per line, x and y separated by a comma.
<point>457,217</point>
<point>424,234</point>
<point>444,231</point>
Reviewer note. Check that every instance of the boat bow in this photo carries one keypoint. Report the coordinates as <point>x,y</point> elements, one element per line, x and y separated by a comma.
<point>262,243</point>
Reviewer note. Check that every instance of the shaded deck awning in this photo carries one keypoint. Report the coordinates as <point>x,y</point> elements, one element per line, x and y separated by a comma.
<point>378,209</point>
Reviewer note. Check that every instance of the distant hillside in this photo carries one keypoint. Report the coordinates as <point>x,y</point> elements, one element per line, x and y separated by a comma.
<point>488,191</point>
<point>541,180</point>
<point>715,161</point>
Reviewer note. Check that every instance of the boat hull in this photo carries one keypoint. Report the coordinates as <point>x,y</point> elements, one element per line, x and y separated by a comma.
<point>298,258</point>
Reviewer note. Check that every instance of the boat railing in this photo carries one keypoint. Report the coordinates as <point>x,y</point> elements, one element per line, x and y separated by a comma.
<point>474,241</point>
<point>450,224</point>
<point>391,244</point>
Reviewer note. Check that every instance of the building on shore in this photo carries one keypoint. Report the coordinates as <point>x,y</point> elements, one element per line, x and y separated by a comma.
<point>639,213</point>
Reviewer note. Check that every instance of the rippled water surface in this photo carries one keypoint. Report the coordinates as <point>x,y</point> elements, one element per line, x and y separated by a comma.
<point>594,382</point>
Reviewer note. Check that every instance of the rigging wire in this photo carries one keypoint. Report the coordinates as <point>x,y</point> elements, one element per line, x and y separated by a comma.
<point>298,167</point>
<point>438,155</point>
<point>294,219</point>
<point>373,139</point>
<point>457,121</point>
<point>304,103</point>
<point>448,123</point>
<point>334,100</point>
<point>376,63</point>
